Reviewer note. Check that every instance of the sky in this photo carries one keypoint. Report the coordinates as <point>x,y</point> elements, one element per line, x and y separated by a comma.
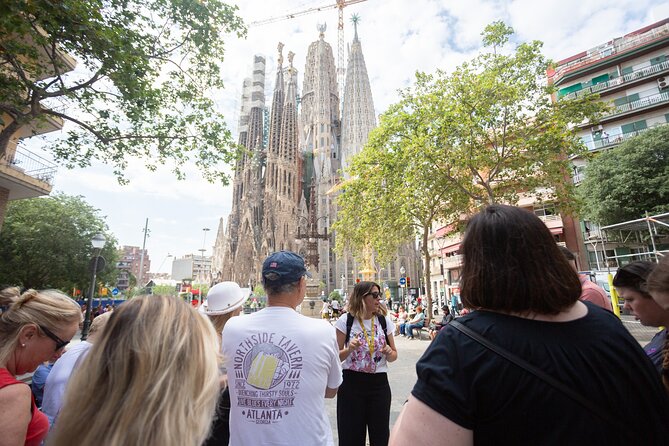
<point>399,37</point>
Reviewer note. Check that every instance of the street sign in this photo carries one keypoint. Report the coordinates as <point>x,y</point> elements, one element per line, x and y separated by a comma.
<point>403,281</point>
<point>115,292</point>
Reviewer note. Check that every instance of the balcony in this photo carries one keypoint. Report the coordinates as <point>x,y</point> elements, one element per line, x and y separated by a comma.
<point>640,104</point>
<point>611,49</point>
<point>621,80</point>
<point>451,262</point>
<point>616,138</point>
<point>553,222</point>
<point>26,175</point>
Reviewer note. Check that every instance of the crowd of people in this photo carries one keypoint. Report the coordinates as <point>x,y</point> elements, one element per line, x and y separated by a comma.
<point>540,359</point>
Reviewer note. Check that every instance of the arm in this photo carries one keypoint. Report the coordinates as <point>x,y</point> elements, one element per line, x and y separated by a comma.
<point>14,414</point>
<point>420,423</point>
<point>389,349</point>
<point>344,352</point>
<point>330,393</point>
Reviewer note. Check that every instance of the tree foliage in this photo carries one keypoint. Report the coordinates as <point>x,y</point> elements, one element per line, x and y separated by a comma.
<point>628,180</point>
<point>454,142</point>
<point>142,88</point>
<point>46,243</point>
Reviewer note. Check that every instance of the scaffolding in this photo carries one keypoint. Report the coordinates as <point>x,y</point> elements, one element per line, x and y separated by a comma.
<point>635,230</point>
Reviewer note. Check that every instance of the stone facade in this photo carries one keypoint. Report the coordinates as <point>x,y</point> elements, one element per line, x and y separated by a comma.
<point>283,188</point>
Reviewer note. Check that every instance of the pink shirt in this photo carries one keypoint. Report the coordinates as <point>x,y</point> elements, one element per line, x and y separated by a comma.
<point>592,292</point>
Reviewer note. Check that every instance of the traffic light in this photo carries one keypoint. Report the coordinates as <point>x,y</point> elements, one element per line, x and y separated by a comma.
<point>408,281</point>
<point>357,280</point>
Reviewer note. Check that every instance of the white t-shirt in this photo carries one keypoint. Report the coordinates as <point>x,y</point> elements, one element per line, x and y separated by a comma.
<point>361,360</point>
<point>56,382</point>
<point>279,364</point>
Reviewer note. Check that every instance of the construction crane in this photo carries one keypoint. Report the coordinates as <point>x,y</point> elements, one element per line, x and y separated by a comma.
<point>340,5</point>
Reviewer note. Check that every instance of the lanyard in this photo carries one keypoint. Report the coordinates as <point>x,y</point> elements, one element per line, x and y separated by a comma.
<point>370,343</point>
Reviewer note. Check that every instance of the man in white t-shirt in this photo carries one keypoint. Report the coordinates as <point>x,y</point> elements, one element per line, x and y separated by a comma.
<point>281,365</point>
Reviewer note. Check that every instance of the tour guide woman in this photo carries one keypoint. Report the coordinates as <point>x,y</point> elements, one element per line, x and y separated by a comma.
<point>524,297</point>
<point>363,399</point>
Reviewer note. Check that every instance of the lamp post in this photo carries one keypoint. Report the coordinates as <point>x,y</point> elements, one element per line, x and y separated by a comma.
<point>98,243</point>
<point>403,274</point>
<point>202,251</point>
<point>312,235</point>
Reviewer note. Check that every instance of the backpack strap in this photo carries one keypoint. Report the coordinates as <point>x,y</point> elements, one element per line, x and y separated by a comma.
<point>382,323</point>
<point>349,324</point>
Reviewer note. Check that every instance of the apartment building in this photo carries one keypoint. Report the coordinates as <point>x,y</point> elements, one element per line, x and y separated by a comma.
<point>24,174</point>
<point>130,262</point>
<point>193,267</point>
<point>631,73</point>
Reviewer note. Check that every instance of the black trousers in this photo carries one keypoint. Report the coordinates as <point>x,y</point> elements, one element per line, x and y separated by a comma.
<point>220,429</point>
<point>363,403</point>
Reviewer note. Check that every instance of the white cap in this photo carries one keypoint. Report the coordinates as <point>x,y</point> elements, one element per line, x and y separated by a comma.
<point>224,297</point>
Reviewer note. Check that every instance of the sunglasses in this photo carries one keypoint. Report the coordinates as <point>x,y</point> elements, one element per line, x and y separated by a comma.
<point>374,294</point>
<point>59,342</point>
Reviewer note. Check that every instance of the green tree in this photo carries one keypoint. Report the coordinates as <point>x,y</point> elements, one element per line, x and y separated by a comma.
<point>500,133</point>
<point>165,290</point>
<point>46,243</point>
<point>625,182</point>
<point>143,87</point>
<point>484,134</point>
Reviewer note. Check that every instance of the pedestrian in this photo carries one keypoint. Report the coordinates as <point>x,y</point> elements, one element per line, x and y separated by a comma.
<point>325,311</point>
<point>531,364</point>
<point>33,326</point>
<point>445,320</point>
<point>39,378</point>
<point>281,364</point>
<point>335,308</point>
<point>151,379</point>
<point>366,345</point>
<point>63,369</point>
<point>630,283</point>
<point>402,317</point>
<point>418,321</point>
<point>224,301</point>
<point>590,291</point>
<point>658,283</point>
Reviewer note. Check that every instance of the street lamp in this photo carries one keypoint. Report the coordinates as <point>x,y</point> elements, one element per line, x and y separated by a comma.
<point>312,235</point>
<point>403,274</point>
<point>202,251</point>
<point>98,243</point>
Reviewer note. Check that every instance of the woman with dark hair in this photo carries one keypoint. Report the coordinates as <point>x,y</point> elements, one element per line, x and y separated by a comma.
<point>366,345</point>
<point>531,364</point>
<point>630,283</point>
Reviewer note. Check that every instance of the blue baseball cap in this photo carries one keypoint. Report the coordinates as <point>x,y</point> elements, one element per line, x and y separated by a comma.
<point>283,267</point>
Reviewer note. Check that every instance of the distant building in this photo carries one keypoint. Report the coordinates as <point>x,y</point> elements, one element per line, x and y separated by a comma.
<point>192,267</point>
<point>631,73</point>
<point>130,259</point>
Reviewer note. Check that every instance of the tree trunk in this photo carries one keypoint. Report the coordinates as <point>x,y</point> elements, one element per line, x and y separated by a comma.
<point>428,284</point>
<point>6,135</point>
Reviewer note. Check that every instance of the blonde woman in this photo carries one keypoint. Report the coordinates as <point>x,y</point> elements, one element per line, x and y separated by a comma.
<point>366,345</point>
<point>33,326</point>
<point>224,301</point>
<point>151,379</point>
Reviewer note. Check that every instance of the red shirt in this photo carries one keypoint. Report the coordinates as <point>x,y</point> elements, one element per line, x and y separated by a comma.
<point>39,424</point>
<point>592,292</point>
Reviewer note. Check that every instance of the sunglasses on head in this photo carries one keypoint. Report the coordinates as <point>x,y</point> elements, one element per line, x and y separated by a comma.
<point>59,342</point>
<point>374,294</point>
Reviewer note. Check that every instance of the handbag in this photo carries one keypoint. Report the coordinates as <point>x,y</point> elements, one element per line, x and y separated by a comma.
<point>604,415</point>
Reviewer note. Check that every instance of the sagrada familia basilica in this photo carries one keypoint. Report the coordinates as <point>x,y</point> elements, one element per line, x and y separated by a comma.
<point>284,187</point>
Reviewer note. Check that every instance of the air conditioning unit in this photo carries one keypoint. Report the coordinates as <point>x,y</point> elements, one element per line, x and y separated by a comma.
<point>663,83</point>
